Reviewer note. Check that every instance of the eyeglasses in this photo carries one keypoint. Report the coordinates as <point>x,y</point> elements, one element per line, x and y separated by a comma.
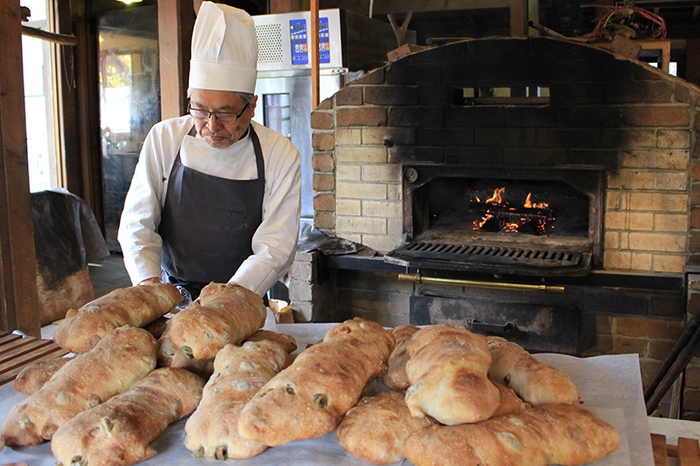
<point>220,116</point>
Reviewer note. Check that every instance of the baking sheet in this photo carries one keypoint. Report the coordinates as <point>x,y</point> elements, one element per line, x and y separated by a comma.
<point>610,386</point>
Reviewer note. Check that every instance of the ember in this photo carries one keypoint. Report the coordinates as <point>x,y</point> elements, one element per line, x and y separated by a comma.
<point>499,216</point>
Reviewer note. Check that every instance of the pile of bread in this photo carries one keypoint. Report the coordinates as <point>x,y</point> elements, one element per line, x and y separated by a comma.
<point>473,400</point>
<point>453,397</point>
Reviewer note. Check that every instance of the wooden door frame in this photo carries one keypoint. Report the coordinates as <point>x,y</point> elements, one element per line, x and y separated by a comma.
<point>175,24</point>
<point>19,301</point>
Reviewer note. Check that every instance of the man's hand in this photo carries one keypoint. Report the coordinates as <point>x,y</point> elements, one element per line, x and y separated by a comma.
<point>150,281</point>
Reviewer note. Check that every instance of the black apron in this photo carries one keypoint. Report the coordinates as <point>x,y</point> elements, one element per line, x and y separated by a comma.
<point>207,223</point>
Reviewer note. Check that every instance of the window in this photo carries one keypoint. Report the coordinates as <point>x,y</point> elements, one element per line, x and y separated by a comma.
<point>129,82</point>
<point>503,95</point>
<point>39,103</point>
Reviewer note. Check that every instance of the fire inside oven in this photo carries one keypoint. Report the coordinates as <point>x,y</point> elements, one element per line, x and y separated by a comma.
<point>508,207</point>
<point>525,222</point>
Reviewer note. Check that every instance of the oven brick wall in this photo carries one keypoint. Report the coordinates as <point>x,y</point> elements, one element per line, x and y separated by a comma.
<point>603,111</point>
<point>636,122</point>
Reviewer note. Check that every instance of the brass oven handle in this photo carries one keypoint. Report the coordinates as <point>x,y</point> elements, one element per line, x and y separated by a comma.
<point>418,278</point>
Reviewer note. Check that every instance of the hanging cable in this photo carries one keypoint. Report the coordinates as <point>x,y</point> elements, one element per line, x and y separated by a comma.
<point>630,18</point>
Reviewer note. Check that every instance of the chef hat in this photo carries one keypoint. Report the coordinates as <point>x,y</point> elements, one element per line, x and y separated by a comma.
<point>224,49</point>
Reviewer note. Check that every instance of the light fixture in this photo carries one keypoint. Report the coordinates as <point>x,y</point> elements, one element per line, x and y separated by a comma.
<point>129,2</point>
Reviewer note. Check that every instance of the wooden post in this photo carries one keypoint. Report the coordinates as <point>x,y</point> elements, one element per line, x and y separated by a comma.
<point>692,61</point>
<point>66,90</point>
<point>284,6</point>
<point>518,18</point>
<point>88,183</point>
<point>175,24</point>
<point>400,31</point>
<point>19,301</point>
<point>533,14</point>
<point>315,58</point>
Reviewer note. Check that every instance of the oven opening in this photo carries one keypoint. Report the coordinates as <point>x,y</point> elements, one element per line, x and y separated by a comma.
<point>507,207</point>
<point>524,221</point>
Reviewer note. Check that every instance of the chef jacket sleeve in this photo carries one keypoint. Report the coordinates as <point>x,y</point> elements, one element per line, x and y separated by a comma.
<point>138,237</point>
<point>274,242</point>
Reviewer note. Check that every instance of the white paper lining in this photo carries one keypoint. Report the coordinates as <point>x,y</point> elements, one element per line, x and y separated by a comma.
<point>610,386</point>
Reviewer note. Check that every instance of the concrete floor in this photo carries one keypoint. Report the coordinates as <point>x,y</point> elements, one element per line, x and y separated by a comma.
<point>108,275</point>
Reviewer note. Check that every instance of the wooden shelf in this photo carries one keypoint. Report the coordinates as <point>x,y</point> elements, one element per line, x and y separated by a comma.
<point>687,451</point>
<point>17,352</point>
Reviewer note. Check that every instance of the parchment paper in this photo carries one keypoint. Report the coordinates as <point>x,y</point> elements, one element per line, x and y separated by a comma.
<point>610,386</point>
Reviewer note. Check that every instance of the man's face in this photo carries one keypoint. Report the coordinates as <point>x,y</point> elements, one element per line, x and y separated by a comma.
<point>221,134</point>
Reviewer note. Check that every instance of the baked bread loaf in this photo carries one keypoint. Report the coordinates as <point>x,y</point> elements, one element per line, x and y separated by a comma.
<point>510,402</point>
<point>447,369</point>
<point>34,376</point>
<point>171,355</point>
<point>307,399</point>
<point>135,306</point>
<point>118,432</point>
<point>287,342</point>
<point>375,429</point>
<point>158,326</point>
<point>239,372</point>
<point>224,313</point>
<point>539,436</point>
<point>395,377</point>
<point>533,381</point>
<point>121,358</point>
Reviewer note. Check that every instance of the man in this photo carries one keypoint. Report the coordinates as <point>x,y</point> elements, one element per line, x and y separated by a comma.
<point>215,196</point>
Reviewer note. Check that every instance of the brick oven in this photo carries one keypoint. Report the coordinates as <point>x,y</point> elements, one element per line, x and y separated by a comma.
<point>593,245</point>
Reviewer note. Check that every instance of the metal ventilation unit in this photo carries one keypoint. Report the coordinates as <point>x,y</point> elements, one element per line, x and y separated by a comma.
<point>346,41</point>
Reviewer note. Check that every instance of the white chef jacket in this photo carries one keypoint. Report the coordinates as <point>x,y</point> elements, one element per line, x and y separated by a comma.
<point>274,242</point>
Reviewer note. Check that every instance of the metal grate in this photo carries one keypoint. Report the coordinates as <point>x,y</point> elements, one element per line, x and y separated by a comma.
<point>489,257</point>
<point>494,254</point>
<point>269,43</point>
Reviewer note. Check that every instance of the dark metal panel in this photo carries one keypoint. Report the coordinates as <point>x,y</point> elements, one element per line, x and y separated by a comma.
<point>536,327</point>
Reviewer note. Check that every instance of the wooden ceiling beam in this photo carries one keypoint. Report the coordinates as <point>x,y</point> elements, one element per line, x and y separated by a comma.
<point>404,6</point>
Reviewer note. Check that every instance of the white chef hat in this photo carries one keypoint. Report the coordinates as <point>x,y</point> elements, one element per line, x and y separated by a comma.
<point>224,49</point>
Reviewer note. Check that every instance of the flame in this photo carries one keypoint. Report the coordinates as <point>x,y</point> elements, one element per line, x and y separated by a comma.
<point>497,197</point>
<point>512,226</point>
<point>537,205</point>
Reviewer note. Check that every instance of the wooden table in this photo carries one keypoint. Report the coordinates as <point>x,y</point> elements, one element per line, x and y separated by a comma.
<point>17,352</point>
